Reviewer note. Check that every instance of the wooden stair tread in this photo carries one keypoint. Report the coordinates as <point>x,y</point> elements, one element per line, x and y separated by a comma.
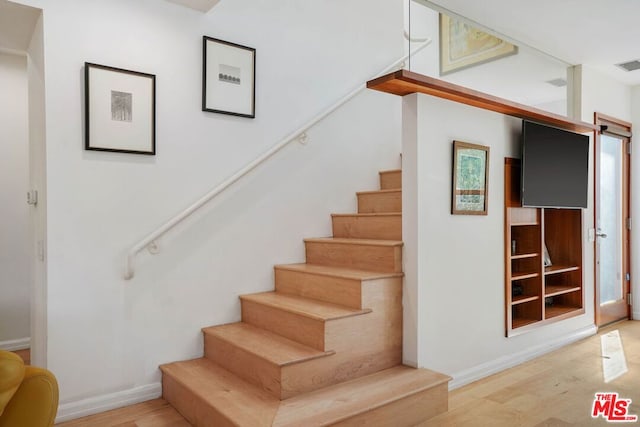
<point>272,347</point>
<point>307,307</point>
<point>341,401</point>
<point>346,273</point>
<point>348,241</point>
<point>373,214</point>
<point>390,171</point>
<point>390,190</point>
<point>221,389</point>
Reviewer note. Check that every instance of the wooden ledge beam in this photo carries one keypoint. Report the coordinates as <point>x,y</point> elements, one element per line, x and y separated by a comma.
<point>404,82</point>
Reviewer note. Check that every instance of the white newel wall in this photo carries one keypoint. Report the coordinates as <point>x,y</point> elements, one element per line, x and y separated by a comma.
<point>99,204</point>
<point>14,211</point>
<point>454,264</point>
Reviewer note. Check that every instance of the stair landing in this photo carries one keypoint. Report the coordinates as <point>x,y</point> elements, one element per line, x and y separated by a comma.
<point>208,395</point>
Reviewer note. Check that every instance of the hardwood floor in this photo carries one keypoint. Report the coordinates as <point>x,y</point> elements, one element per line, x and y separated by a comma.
<point>154,413</point>
<point>555,390</point>
<point>25,354</point>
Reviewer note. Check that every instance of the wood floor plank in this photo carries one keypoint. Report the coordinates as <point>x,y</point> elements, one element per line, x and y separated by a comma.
<point>25,355</point>
<point>149,413</point>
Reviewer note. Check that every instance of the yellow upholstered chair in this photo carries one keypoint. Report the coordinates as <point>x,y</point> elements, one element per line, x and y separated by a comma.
<point>28,395</point>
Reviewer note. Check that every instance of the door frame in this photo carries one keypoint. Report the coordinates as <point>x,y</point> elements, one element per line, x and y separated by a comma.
<point>621,129</point>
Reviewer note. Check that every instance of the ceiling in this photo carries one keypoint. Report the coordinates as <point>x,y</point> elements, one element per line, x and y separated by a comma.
<point>597,33</point>
<point>201,5</point>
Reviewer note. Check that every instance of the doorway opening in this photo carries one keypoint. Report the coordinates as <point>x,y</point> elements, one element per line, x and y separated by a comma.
<point>24,291</point>
<point>612,220</point>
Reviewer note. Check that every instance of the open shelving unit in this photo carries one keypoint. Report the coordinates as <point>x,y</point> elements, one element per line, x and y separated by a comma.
<point>535,294</point>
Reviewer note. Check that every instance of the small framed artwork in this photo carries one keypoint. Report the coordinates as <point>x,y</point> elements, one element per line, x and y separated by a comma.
<point>470,179</point>
<point>228,78</point>
<point>463,46</point>
<point>120,110</point>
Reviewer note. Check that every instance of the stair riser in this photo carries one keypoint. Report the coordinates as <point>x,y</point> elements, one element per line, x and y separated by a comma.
<point>319,373</point>
<point>368,227</point>
<point>247,366</point>
<point>334,290</point>
<point>190,406</point>
<point>296,327</point>
<point>362,257</point>
<point>380,202</point>
<point>407,412</point>
<point>391,180</point>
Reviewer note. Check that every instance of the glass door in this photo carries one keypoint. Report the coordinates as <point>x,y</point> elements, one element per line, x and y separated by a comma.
<point>612,216</point>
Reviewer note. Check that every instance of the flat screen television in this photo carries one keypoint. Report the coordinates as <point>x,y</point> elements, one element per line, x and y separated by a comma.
<point>555,167</point>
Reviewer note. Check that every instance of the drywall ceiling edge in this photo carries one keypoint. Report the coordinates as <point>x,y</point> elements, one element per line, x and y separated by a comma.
<point>200,5</point>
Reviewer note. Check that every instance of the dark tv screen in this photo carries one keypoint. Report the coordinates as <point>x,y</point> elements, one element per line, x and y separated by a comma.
<point>555,167</point>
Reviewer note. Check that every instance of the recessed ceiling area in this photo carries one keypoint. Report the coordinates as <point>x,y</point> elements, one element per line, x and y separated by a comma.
<point>16,26</point>
<point>201,5</point>
<point>596,33</point>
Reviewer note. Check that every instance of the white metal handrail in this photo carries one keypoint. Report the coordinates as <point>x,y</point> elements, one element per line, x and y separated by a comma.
<point>299,134</point>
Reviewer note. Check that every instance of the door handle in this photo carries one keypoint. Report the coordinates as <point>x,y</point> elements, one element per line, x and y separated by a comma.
<point>599,233</point>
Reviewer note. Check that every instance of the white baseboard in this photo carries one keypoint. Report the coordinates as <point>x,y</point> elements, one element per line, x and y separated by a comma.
<point>636,315</point>
<point>13,345</point>
<point>489,368</point>
<point>93,405</point>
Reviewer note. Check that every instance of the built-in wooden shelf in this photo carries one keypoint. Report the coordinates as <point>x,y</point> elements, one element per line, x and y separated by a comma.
<point>534,295</point>
<point>557,269</point>
<point>404,82</point>
<point>520,299</point>
<point>552,291</point>
<point>522,276</point>
<point>559,310</point>
<point>523,256</point>
<point>522,321</point>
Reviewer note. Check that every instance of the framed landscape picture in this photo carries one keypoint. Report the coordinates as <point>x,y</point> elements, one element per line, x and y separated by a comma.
<point>470,175</point>
<point>120,110</point>
<point>463,46</point>
<point>228,78</point>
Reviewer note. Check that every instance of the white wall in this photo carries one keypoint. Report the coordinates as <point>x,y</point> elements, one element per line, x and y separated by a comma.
<point>99,204</point>
<point>454,264</point>
<point>14,211</point>
<point>602,94</point>
<point>635,204</point>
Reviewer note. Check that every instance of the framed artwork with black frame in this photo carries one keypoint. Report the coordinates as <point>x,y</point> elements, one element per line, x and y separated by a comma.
<point>228,78</point>
<point>120,110</point>
<point>470,190</point>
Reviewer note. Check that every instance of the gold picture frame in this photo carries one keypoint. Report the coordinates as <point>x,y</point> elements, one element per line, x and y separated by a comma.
<point>470,186</point>
<point>463,46</point>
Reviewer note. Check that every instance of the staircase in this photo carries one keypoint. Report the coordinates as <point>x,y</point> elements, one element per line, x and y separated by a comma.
<point>323,349</point>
